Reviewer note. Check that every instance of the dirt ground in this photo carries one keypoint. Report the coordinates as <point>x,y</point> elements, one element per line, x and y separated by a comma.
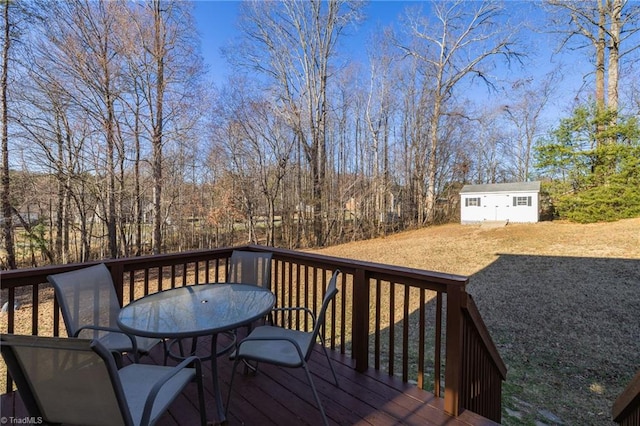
<point>561,300</point>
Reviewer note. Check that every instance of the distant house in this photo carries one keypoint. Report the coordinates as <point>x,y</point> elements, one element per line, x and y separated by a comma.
<point>509,202</point>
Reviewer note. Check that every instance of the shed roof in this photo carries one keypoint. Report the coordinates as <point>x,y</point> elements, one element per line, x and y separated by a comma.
<point>503,187</point>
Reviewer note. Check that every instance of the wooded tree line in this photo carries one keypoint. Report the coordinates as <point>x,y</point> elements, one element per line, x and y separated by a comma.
<point>115,144</point>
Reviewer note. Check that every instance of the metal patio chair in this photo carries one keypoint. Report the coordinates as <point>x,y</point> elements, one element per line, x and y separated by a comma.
<point>250,267</point>
<point>287,347</point>
<point>76,381</point>
<point>90,309</point>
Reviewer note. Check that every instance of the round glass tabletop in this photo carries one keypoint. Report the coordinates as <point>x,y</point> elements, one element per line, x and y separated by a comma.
<point>196,310</point>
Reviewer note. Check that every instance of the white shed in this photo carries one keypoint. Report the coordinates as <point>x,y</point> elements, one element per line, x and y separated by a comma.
<point>509,202</point>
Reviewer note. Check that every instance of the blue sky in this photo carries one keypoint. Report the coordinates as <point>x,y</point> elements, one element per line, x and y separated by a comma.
<point>216,21</point>
<point>217,24</point>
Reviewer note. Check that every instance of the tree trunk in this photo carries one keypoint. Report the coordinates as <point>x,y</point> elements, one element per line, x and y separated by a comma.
<point>614,56</point>
<point>432,162</point>
<point>600,57</point>
<point>7,209</point>
<point>157,128</point>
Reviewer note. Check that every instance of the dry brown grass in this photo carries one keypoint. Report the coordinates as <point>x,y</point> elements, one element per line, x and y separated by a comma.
<point>561,300</point>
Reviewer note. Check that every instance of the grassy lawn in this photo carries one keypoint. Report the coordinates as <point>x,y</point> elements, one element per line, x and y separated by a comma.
<point>561,300</point>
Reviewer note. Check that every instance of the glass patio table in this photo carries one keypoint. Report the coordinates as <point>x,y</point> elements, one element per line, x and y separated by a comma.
<point>195,311</point>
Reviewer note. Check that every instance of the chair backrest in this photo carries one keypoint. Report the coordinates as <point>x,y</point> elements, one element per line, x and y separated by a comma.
<point>66,380</point>
<point>329,295</point>
<point>250,267</point>
<point>87,296</point>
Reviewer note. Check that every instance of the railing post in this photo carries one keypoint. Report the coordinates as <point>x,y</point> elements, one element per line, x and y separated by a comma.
<point>453,354</point>
<point>360,320</point>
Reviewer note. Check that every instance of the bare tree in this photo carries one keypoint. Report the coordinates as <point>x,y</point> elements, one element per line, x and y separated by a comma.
<point>7,212</point>
<point>462,42</point>
<point>527,102</point>
<point>292,43</point>
<point>158,53</point>
<point>94,86</point>
<point>380,109</point>
<point>257,142</point>
<point>165,70</point>
<point>83,49</point>
<point>16,18</point>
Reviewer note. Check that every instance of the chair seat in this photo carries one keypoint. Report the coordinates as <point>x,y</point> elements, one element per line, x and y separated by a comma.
<point>277,346</point>
<point>138,380</point>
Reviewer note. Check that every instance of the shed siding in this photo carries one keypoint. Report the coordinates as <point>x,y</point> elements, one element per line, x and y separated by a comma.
<point>511,206</point>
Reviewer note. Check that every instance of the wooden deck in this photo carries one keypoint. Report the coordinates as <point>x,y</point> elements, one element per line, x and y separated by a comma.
<point>278,396</point>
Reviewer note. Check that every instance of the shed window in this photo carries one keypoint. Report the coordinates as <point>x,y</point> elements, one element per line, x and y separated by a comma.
<point>472,202</point>
<point>522,201</point>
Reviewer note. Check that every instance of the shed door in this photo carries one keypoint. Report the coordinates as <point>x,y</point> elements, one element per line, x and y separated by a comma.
<point>497,207</point>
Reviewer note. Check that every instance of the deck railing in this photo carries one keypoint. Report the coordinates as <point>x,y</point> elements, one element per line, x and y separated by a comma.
<point>419,325</point>
<point>626,408</point>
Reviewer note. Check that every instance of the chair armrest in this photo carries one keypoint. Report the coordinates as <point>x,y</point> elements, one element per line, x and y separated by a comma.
<point>294,308</point>
<point>148,405</point>
<point>134,343</point>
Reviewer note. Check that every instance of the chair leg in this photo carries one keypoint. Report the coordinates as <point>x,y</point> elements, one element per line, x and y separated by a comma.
<point>180,348</point>
<point>326,353</point>
<point>203,409</point>
<point>233,375</point>
<point>117,357</point>
<point>166,351</point>
<point>315,395</point>
<point>247,365</point>
<point>333,371</point>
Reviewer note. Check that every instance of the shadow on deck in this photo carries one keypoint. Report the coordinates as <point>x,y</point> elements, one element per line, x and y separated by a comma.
<point>279,396</point>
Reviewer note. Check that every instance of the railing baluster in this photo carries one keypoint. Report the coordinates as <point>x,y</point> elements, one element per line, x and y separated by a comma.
<point>289,293</point>
<point>343,316</point>
<point>56,317</point>
<point>11,303</point>
<point>405,336</point>
<point>437,362</point>
<point>392,329</point>
<point>146,281</point>
<point>35,301</point>
<point>132,286</point>
<point>378,321</point>
<point>332,344</point>
<point>160,278</point>
<point>422,325</point>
